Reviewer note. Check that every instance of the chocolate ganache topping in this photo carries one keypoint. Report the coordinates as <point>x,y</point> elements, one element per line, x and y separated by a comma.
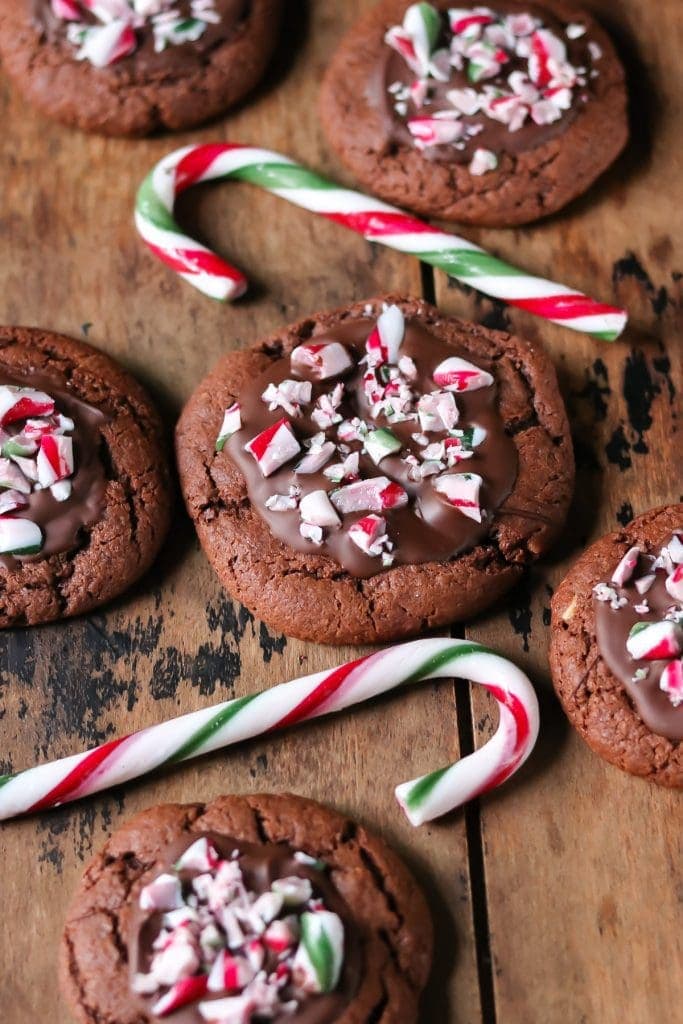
<point>164,36</point>
<point>375,443</point>
<point>639,628</point>
<point>52,481</point>
<point>230,932</point>
<point>469,84</point>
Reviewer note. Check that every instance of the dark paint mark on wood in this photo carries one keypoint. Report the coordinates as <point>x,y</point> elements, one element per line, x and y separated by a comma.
<point>520,613</point>
<point>270,644</point>
<point>618,449</point>
<point>625,513</point>
<point>596,390</point>
<point>640,391</point>
<point>630,266</point>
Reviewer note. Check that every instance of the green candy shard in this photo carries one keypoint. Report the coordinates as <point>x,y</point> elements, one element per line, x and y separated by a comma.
<point>431,22</point>
<point>638,628</point>
<point>320,951</point>
<point>12,447</point>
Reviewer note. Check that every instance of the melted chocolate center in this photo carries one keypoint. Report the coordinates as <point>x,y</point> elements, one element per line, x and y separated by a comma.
<point>428,528</point>
<point>175,58</point>
<point>493,135</point>
<point>260,866</point>
<point>612,629</point>
<point>62,521</point>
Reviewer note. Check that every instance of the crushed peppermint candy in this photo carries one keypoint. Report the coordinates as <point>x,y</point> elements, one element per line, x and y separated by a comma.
<point>640,591</point>
<point>36,453</point>
<point>234,954</point>
<point>470,68</point>
<point>105,31</point>
<point>360,432</point>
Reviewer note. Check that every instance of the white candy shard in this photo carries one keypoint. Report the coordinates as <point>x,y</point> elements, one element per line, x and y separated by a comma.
<point>671,681</point>
<point>274,446</point>
<point>651,641</point>
<point>461,490</point>
<point>375,495</point>
<point>369,534</point>
<point>456,374</point>
<point>627,566</point>
<point>232,422</point>
<point>384,342</point>
<point>316,508</point>
<point>162,893</point>
<point>321,361</point>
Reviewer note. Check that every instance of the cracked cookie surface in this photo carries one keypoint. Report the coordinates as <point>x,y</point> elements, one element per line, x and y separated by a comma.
<point>593,698</point>
<point>390,912</point>
<point>111,552</point>
<point>283,585</point>
<point>524,185</point>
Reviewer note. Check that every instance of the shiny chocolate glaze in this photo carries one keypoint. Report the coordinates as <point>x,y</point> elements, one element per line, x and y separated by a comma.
<point>175,59</point>
<point>62,521</point>
<point>428,528</point>
<point>494,135</point>
<point>612,629</point>
<point>260,866</point>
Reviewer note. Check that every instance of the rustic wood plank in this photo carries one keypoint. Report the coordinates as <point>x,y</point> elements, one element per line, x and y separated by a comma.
<point>582,862</point>
<point>177,643</point>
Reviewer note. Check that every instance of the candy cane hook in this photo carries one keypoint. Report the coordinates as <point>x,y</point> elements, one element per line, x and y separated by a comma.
<point>323,693</point>
<point>374,220</point>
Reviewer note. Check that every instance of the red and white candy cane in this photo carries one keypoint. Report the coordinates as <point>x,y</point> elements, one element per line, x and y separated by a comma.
<point>374,220</point>
<point>180,739</point>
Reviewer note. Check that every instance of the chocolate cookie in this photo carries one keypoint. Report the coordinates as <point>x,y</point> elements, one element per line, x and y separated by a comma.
<point>385,466</point>
<point>131,67</point>
<point>246,904</point>
<point>487,115</point>
<point>617,642</point>
<point>84,481</point>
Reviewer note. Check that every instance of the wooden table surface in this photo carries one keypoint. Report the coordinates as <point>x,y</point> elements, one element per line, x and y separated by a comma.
<point>556,900</point>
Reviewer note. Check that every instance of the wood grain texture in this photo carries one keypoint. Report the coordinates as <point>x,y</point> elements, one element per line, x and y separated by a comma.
<point>575,869</point>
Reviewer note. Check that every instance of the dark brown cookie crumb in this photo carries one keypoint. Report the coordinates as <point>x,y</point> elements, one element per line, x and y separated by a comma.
<point>390,910</point>
<point>120,546</point>
<point>594,700</point>
<point>282,585</point>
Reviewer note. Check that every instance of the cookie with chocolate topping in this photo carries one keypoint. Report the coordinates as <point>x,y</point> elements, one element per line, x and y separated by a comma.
<point>131,67</point>
<point>493,115</point>
<point>616,651</point>
<point>84,479</point>
<point>247,909</point>
<point>390,467</point>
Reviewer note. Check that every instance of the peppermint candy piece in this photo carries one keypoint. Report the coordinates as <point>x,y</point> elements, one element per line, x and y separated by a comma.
<point>467,22</point>
<point>20,445</point>
<point>11,500</point>
<point>233,1010</point>
<point>294,890</point>
<point>103,45</point>
<point>321,361</point>
<point>318,960</point>
<point>61,491</point>
<point>181,994</point>
<point>162,893</point>
<point>456,374</point>
<point>201,856</point>
<point>416,38</point>
<point>627,566</point>
<point>274,446</point>
<point>289,395</point>
<point>19,536</point>
<point>671,682</point>
<point>435,131</point>
<point>369,534</point>
<point>232,422</point>
<point>12,477</point>
<point>67,10</point>
<point>548,53</point>
<point>385,339</point>
<point>316,458</point>
<point>380,443</point>
<point>229,973</point>
<point>650,641</point>
<point>437,411</point>
<point>55,459</point>
<point>19,403</point>
<point>279,937</point>
<point>375,495</point>
<point>483,161</point>
<point>316,509</point>
<point>461,490</point>
<point>674,584</point>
